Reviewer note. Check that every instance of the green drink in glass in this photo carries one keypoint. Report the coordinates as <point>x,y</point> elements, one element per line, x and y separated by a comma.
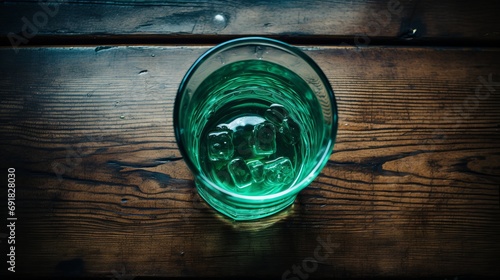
<point>255,120</point>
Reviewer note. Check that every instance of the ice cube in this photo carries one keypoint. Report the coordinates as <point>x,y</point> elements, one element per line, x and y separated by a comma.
<point>257,170</point>
<point>290,130</point>
<point>276,113</point>
<point>220,145</point>
<point>264,139</point>
<point>240,173</point>
<point>279,171</point>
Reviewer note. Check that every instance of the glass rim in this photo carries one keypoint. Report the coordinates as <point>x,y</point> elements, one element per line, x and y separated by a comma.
<point>297,186</point>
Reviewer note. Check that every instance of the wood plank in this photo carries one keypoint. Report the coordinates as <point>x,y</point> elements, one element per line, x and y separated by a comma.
<point>412,189</point>
<point>357,22</point>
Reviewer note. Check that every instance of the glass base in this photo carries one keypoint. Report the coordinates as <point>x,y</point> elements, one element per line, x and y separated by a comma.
<point>242,210</point>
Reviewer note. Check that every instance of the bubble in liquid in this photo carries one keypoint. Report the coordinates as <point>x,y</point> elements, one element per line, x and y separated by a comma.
<point>279,171</point>
<point>264,139</point>
<point>220,145</point>
<point>240,173</point>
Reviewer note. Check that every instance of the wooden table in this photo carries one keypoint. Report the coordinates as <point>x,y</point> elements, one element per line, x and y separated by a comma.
<point>412,188</point>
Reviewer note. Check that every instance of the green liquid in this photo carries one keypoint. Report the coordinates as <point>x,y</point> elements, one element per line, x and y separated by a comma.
<point>255,123</point>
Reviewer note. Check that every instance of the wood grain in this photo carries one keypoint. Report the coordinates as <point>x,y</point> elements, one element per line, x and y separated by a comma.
<point>412,189</point>
<point>357,22</point>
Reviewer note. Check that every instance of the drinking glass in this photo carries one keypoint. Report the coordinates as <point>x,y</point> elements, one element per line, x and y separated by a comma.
<point>255,120</point>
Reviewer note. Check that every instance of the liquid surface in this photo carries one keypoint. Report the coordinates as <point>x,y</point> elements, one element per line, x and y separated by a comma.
<point>256,128</point>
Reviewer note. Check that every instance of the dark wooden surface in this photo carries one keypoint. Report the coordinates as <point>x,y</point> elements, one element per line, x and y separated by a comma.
<point>411,190</point>
<point>358,22</point>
